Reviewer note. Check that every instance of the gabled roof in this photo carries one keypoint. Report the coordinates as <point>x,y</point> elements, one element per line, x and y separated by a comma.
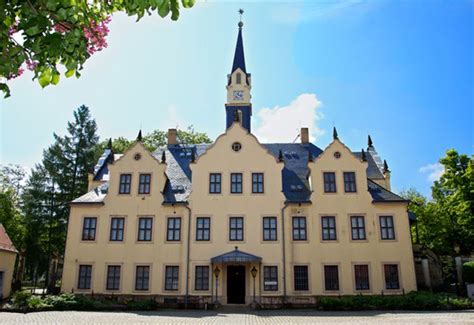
<point>5,241</point>
<point>97,195</point>
<point>373,171</point>
<point>235,256</point>
<point>295,173</point>
<point>295,185</point>
<point>380,194</point>
<point>178,157</point>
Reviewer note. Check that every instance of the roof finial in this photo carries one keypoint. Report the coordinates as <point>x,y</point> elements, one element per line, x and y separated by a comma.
<point>370,144</point>
<point>241,12</point>
<point>109,144</point>
<point>364,158</point>
<point>163,157</point>
<point>280,156</point>
<point>310,156</point>
<point>334,134</point>
<point>193,156</point>
<point>139,137</point>
<point>385,167</point>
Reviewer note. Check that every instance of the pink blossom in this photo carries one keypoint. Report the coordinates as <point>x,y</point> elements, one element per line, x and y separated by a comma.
<point>60,28</point>
<point>31,65</point>
<point>17,74</point>
<point>13,28</point>
<point>95,35</point>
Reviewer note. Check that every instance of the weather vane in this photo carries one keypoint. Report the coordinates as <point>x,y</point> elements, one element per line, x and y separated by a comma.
<point>241,12</point>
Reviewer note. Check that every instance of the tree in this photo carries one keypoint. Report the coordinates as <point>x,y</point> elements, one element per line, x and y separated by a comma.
<point>154,140</point>
<point>52,185</point>
<point>447,220</point>
<point>454,195</point>
<point>47,35</point>
<point>11,184</point>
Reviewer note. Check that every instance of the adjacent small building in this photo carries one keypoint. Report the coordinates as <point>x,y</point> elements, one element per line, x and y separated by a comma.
<point>239,221</point>
<point>8,255</point>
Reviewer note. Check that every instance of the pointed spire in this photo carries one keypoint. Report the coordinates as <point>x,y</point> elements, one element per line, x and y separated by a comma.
<point>139,137</point>
<point>370,144</point>
<point>364,157</point>
<point>193,156</point>
<point>334,134</point>
<point>280,156</point>
<point>385,167</point>
<point>109,144</point>
<point>310,156</point>
<point>239,59</point>
<point>163,157</point>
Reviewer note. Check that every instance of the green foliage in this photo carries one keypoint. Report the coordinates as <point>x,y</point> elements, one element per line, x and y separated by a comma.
<point>20,299</point>
<point>154,140</point>
<point>448,220</point>
<point>61,177</point>
<point>146,304</point>
<point>468,272</point>
<point>23,300</point>
<point>11,178</point>
<point>411,301</point>
<point>62,35</point>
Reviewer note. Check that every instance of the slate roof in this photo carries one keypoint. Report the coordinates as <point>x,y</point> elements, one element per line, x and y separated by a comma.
<point>373,170</point>
<point>97,195</point>
<point>239,58</point>
<point>178,157</point>
<point>235,256</point>
<point>380,194</point>
<point>5,241</point>
<point>295,173</point>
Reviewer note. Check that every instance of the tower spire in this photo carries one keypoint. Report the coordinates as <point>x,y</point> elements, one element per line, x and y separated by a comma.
<point>239,58</point>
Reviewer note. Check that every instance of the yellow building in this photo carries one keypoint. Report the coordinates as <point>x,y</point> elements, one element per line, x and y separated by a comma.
<point>239,221</point>
<point>8,254</point>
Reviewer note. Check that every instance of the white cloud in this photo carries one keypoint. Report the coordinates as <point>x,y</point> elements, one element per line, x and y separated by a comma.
<point>173,119</point>
<point>282,124</point>
<point>433,171</point>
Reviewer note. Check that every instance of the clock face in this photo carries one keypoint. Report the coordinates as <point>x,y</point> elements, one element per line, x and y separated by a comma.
<point>238,95</point>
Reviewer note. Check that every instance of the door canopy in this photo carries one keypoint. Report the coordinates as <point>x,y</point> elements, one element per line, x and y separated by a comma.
<point>236,256</point>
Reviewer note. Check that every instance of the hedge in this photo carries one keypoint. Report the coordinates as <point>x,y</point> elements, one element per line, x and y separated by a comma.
<point>24,301</point>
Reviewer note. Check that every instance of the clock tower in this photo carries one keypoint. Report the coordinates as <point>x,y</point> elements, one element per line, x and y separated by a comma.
<point>238,87</point>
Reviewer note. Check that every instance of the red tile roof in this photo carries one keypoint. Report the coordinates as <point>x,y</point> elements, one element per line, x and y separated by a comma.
<point>5,242</point>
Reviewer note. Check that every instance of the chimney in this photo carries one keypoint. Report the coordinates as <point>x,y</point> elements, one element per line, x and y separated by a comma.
<point>304,134</point>
<point>172,135</point>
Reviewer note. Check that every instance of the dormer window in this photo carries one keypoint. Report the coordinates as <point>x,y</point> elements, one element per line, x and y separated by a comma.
<point>238,78</point>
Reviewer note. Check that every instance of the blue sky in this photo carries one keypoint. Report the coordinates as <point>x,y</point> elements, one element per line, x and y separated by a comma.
<point>399,70</point>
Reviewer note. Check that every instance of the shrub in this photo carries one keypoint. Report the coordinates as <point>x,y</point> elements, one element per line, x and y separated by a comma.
<point>20,299</point>
<point>411,301</point>
<point>148,304</point>
<point>468,272</point>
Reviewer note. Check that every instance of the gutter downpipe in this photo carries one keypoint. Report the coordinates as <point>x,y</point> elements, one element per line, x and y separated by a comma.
<point>188,257</point>
<point>284,250</point>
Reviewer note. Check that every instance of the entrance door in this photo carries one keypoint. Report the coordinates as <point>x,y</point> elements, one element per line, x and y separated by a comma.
<point>236,284</point>
<point>1,284</point>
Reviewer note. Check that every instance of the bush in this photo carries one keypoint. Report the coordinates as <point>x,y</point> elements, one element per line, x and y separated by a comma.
<point>412,301</point>
<point>468,272</point>
<point>148,304</point>
<point>20,299</point>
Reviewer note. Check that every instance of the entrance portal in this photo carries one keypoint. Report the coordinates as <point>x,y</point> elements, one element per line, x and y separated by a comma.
<point>236,284</point>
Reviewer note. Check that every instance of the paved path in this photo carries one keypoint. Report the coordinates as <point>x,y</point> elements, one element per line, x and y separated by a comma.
<point>239,317</point>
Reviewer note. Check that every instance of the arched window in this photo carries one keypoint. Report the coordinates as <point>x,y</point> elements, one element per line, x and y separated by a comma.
<point>238,78</point>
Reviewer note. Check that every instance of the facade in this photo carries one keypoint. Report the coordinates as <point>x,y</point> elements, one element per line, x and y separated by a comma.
<point>8,255</point>
<point>239,221</point>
